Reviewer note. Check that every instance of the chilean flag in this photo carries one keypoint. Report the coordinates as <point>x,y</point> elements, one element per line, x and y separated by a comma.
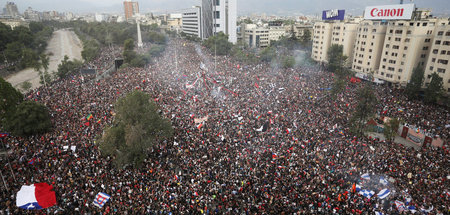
<point>3,135</point>
<point>36,196</point>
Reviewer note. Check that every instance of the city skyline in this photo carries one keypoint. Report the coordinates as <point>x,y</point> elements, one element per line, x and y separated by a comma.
<point>268,7</point>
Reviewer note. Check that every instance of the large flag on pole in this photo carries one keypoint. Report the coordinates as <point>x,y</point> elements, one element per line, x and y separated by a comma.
<point>101,199</point>
<point>35,196</point>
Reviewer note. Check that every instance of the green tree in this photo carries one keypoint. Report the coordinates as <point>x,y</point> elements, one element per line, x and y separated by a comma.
<point>391,128</point>
<point>13,52</point>
<point>435,89</point>
<point>137,127</point>
<point>26,86</point>
<point>268,54</point>
<point>288,62</point>
<point>9,97</point>
<point>306,37</point>
<point>337,60</point>
<point>29,118</point>
<point>67,67</point>
<point>415,84</point>
<point>338,87</point>
<point>218,44</point>
<point>90,50</point>
<point>365,109</point>
<point>128,51</point>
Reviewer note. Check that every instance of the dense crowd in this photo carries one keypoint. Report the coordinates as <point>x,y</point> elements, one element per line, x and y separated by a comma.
<point>271,141</point>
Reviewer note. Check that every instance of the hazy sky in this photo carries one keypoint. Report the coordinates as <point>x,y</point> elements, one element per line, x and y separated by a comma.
<point>276,7</point>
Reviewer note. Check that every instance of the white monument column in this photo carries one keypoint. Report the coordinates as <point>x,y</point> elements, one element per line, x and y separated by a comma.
<point>140,44</point>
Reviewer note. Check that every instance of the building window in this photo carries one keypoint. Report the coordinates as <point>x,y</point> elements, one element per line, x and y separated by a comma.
<point>398,39</point>
<point>217,14</point>
<point>395,47</point>
<point>438,42</point>
<point>217,25</point>
<point>440,70</point>
<point>446,43</point>
<point>406,48</point>
<point>435,51</point>
<point>400,70</point>
<point>443,52</point>
<point>445,62</point>
<point>440,33</point>
<point>217,2</point>
<point>407,40</point>
<point>425,48</point>
<point>408,32</point>
<point>433,60</point>
<point>427,40</point>
<point>447,33</point>
<point>423,56</point>
<point>431,68</point>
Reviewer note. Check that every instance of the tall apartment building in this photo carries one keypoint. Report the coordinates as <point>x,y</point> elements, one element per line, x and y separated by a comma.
<point>191,22</point>
<point>131,8</point>
<point>329,33</point>
<point>388,46</point>
<point>406,46</point>
<point>219,16</point>
<point>368,46</point>
<point>439,56</point>
<point>321,41</point>
<point>344,33</point>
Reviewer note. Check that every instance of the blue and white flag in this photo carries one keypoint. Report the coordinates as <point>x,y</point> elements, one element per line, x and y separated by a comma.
<point>101,199</point>
<point>412,208</point>
<point>378,213</point>
<point>383,193</point>
<point>358,188</point>
<point>365,176</point>
<point>367,193</point>
<point>383,181</point>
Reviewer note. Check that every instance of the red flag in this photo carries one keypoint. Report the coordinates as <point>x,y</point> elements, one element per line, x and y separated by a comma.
<point>86,123</point>
<point>256,85</point>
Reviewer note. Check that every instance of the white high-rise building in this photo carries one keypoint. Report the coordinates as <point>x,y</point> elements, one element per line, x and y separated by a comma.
<point>191,22</point>
<point>219,16</point>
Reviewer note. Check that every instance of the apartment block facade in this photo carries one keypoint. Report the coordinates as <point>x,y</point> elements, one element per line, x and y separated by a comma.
<point>439,56</point>
<point>388,51</point>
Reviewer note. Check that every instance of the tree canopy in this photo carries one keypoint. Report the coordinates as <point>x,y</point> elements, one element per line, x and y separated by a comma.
<point>23,45</point>
<point>28,118</point>
<point>67,67</point>
<point>365,109</point>
<point>218,44</point>
<point>435,89</point>
<point>9,97</point>
<point>337,60</point>
<point>415,84</point>
<point>137,127</point>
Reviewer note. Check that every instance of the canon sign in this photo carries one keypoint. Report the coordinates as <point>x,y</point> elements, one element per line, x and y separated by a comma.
<point>389,12</point>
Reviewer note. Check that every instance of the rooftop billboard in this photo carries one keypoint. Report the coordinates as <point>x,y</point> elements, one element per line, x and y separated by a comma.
<point>389,12</point>
<point>333,15</point>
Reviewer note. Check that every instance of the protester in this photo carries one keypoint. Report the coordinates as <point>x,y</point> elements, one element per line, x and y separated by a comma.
<point>271,141</point>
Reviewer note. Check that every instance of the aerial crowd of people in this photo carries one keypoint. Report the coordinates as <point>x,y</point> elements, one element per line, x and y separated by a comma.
<point>249,139</point>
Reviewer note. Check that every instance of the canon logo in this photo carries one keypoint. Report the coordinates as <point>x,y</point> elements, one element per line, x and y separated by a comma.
<point>375,12</point>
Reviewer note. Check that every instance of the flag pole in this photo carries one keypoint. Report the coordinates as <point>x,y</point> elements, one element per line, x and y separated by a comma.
<point>4,181</point>
<point>12,173</point>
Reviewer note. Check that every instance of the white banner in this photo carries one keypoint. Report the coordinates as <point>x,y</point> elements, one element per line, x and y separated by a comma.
<point>389,12</point>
